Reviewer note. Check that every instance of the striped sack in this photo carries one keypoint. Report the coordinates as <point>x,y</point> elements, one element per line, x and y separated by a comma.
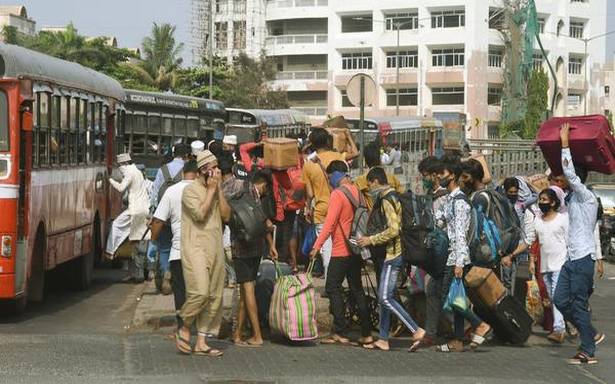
<point>293,307</point>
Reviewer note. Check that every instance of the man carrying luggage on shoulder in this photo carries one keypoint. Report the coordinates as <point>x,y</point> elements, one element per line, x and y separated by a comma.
<point>577,275</point>
<point>344,264</point>
<point>393,263</point>
<point>456,214</point>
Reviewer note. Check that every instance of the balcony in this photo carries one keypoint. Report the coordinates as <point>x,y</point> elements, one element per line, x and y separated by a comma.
<point>296,9</point>
<point>296,44</point>
<point>301,80</point>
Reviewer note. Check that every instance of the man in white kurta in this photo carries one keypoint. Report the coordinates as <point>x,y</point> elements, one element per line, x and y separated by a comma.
<point>131,224</point>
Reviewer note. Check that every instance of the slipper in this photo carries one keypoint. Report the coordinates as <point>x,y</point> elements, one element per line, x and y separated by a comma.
<point>209,352</point>
<point>362,343</point>
<point>247,344</point>
<point>445,348</point>
<point>599,338</point>
<point>478,340</point>
<point>416,345</point>
<point>180,344</point>
<point>335,340</point>
<point>423,343</point>
<point>374,346</point>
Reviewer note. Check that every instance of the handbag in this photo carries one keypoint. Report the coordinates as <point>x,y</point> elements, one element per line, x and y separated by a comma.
<point>533,301</point>
<point>309,239</point>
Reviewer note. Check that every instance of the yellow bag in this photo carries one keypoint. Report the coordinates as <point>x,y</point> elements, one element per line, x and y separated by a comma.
<point>533,301</point>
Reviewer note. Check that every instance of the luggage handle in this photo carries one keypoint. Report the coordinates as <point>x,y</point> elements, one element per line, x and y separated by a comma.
<point>278,271</point>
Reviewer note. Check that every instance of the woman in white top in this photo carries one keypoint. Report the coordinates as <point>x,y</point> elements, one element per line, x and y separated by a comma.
<point>551,229</point>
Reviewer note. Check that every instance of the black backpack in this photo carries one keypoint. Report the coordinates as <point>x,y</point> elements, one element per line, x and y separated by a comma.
<point>359,220</point>
<point>247,219</point>
<point>168,180</point>
<point>424,244</point>
<point>377,222</point>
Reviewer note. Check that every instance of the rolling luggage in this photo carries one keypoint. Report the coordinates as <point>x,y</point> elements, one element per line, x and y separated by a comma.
<point>591,143</point>
<point>510,321</point>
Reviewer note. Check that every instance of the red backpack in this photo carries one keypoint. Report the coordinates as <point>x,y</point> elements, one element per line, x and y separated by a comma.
<point>293,195</point>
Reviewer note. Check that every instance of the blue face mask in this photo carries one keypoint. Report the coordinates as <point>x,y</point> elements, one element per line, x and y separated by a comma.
<point>335,178</point>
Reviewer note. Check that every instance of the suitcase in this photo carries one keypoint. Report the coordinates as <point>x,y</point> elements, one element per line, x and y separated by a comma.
<point>280,153</point>
<point>484,286</point>
<point>510,321</point>
<point>591,143</point>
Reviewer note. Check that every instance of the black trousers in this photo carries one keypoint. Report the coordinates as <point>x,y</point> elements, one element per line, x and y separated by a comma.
<point>348,268</point>
<point>178,286</point>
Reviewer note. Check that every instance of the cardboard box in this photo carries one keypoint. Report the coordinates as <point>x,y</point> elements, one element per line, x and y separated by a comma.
<point>538,182</point>
<point>485,285</point>
<point>340,143</point>
<point>280,153</point>
<point>483,161</point>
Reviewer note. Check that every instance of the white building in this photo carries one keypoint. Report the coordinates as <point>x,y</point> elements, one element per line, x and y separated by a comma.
<point>17,16</point>
<point>451,55</point>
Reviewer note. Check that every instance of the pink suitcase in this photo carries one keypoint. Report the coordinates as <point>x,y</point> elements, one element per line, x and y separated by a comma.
<point>591,142</point>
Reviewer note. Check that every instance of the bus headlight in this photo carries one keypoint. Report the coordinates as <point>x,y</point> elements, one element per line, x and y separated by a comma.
<point>7,246</point>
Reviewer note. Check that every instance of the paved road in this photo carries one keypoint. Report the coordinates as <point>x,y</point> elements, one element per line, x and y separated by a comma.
<point>82,338</point>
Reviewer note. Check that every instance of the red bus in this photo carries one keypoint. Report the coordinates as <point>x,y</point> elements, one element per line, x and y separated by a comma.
<point>57,134</point>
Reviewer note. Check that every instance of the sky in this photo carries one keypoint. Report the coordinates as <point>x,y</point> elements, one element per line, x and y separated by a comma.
<point>128,20</point>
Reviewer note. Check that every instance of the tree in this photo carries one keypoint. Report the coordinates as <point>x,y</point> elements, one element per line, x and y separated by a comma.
<point>247,85</point>
<point>10,34</point>
<point>537,103</point>
<point>194,81</point>
<point>161,56</point>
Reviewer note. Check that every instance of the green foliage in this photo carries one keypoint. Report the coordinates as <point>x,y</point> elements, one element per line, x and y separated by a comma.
<point>537,103</point>
<point>10,34</point>
<point>194,81</point>
<point>247,84</point>
<point>609,117</point>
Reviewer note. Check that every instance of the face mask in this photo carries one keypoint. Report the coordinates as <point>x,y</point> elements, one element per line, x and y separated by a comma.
<point>427,184</point>
<point>335,178</point>
<point>513,198</point>
<point>544,207</point>
<point>445,182</point>
<point>375,192</point>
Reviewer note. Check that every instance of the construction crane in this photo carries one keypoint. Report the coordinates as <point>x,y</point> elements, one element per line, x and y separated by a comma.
<point>521,20</point>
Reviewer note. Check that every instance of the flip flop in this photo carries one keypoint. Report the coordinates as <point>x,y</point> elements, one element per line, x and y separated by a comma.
<point>180,344</point>
<point>247,344</point>
<point>336,340</point>
<point>478,340</point>
<point>416,345</point>
<point>445,348</point>
<point>209,352</point>
<point>374,346</point>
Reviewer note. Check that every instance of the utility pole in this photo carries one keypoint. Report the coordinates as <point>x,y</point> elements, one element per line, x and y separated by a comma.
<point>211,48</point>
<point>397,64</point>
<point>585,89</point>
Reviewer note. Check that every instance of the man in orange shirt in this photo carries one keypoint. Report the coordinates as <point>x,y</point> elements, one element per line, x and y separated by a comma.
<point>343,264</point>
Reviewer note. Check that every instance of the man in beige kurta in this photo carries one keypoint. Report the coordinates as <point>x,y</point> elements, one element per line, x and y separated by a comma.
<point>204,209</point>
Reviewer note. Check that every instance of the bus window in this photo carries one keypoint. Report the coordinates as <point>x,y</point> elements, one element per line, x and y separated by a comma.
<point>166,141</point>
<point>179,134</point>
<point>42,139</point>
<point>83,126</point>
<point>193,127</point>
<point>4,123</point>
<point>137,138</point>
<point>74,127</point>
<point>63,133</point>
<point>103,133</point>
<point>54,140</point>
<point>153,134</point>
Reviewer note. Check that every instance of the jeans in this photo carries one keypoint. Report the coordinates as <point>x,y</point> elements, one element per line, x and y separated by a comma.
<point>152,250</point>
<point>348,268</point>
<point>571,297</point>
<point>136,265</point>
<point>550,279</point>
<point>433,295</point>
<point>509,274</point>
<point>178,286</point>
<point>387,301</point>
<point>164,242</point>
<point>325,250</point>
<point>458,318</point>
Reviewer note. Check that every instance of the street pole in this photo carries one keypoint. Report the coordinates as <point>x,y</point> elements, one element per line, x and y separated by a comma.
<point>585,79</point>
<point>211,48</point>
<point>397,63</point>
<point>362,122</point>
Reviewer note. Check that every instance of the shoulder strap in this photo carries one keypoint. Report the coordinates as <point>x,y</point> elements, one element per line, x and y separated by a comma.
<point>166,173</point>
<point>324,172</point>
<point>348,194</point>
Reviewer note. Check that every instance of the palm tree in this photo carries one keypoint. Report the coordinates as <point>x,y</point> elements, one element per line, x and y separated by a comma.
<point>161,55</point>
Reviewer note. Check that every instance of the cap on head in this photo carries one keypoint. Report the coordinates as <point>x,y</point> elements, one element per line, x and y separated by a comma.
<point>230,140</point>
<point>123,158</point>
<point>204,158</point>
<point>197,147</point>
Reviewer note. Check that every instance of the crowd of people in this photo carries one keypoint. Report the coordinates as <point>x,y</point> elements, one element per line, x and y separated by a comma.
<point>201,249</point>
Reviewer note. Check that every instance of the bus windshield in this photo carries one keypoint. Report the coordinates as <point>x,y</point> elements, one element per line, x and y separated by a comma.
<point>4,123</point>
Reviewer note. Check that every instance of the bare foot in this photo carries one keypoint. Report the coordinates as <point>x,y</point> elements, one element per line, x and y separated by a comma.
<point>253,341</point>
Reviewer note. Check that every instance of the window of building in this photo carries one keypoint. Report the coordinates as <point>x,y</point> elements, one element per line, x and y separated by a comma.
<point>607,90</point>
<point>448,57</point>
<point>358,60</point>
<point>407,96</point>
<point>220,6</point>
<point>496,18</point>
<point>221,35</point>
<point>239,34</point>
<point>541,24</point>
<point>448,96</point>
<point>493,131</point>
<point>578,1</point>
<point>560,26</point>
<point>575,65</point>
<point>407,59</point>
<point>537,60</point>
<point>574,100</point>
<point>345,100</point>
<point>576,29</point>
<point>405,20</point>
<point>496,55</point>
<point>494,95</point>
<point>448,19</point>
<point>357,23</point>
<point>239,6</point>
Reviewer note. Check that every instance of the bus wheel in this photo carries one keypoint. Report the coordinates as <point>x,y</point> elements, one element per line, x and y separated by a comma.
<point>82,269</point>
<point>36,283</point>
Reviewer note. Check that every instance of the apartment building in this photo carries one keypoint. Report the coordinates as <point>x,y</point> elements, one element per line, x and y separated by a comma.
<point>17,16</point>
<point>451,55</point>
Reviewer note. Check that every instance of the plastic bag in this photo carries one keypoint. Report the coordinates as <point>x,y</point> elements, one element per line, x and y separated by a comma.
<point>309,240</point>
<point>533,301</point>
<point>457,300</point>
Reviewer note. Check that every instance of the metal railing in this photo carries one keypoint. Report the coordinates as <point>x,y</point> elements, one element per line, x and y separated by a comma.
<point>510,157</point>
<point>297,39</point>
<point>301,75</point>
<point>495,60</point>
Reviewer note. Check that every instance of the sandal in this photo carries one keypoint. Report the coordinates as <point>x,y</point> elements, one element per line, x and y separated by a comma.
<point>209,352</point>
<point>363,340</point>
<point>447,348</point>
<point>374,346</point>
<point>336,340</point>
<point>478,340</point>
<point>247,344</point>
<point>181,343</point>
<point>423,343</point>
